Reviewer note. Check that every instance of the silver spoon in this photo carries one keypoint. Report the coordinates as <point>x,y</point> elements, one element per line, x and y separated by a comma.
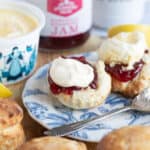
<point>139,103</point>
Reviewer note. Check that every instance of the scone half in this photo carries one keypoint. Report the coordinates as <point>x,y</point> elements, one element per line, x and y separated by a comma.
<point>88,97</point>
<point>127,60</point>
<point>136,85</point>
<point>11,131</point>
<point>127,138</point>
<point>53,143</point>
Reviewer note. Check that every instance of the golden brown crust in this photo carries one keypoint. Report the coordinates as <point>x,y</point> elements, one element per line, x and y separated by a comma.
<point>129,89</point>
<point>127,138</point>
<point>12,138</point>
<point>134,87</point>
<point>10,113</point>
<point>53,143</point>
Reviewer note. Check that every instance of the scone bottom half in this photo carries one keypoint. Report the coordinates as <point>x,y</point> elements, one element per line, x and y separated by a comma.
<point>84,98</point>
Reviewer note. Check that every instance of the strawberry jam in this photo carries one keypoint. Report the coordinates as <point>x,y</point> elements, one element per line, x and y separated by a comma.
<point>119,73</point>
<point>56,89</point>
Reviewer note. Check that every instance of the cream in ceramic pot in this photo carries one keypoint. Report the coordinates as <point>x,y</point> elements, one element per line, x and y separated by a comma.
<point>20,27</point>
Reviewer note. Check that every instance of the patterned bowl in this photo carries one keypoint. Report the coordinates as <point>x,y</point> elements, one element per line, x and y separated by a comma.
<point>18,55</point>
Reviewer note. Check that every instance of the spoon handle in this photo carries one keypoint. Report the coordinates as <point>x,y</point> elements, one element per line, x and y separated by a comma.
<point>70,128</point>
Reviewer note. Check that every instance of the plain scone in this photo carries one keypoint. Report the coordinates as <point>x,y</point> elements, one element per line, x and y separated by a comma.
<point>53,143</point>
<point>11,131</point>
<point>138,84</point>
<point>127,138</point>
<point>88,98</point>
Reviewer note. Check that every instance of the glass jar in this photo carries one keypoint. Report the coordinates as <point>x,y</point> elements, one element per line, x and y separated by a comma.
<point>68,22</point>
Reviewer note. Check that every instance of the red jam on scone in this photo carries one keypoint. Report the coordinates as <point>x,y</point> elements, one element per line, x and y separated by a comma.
<point>123,55</point>
<point>77,83</point>
<point>119,73</point>
<point>127,60</point>
<point>57,89</point>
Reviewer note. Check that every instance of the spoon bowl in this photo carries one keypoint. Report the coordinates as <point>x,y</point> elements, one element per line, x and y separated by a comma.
<point>142,101</point>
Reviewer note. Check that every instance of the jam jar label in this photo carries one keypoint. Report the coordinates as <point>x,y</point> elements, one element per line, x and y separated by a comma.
<point>64,7</point>
<point>67,18</point>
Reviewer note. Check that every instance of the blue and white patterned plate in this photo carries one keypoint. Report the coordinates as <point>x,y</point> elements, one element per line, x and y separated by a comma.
<point>43,108</point>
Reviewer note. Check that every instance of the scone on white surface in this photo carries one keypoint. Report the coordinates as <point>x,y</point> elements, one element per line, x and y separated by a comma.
<point>11,131</point>
<point>53,143</point>
<point>85,86</point>
<point>126,57</point>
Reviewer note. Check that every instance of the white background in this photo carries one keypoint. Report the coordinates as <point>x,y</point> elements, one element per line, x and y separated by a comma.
<point>145,20</point>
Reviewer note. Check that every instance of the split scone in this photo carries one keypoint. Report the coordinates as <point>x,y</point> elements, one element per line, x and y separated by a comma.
<point>11,131</point>
<point>77,83</point>
<point>127,138</point>
<point>53,143</point>
<point>127,60</point>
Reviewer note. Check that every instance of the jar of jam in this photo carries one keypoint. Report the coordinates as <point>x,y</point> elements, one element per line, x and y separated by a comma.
<point>68,22</point>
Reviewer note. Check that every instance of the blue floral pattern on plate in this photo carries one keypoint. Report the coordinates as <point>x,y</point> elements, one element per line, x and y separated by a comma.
<point>47,111</point>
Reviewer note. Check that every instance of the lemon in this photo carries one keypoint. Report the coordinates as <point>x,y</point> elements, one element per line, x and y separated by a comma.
<point>131,28</point>
<point>4,92</point>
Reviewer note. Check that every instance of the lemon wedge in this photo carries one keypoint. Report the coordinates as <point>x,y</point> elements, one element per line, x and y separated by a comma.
<point>131,28</point>
<point>4,92</point>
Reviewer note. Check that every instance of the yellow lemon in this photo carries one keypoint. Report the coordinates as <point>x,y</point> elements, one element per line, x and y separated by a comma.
<point>4,92</point>
<point>131,28</point>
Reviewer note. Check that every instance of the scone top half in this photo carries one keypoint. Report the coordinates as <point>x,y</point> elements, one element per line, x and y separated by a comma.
<point>125,48</point>
<point>53,143</point>
<point>10,114</point>
<point>77,83</point>
<point>127,138</point>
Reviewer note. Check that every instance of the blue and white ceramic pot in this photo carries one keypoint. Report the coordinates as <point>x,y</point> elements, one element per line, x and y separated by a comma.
<point>18,55</point>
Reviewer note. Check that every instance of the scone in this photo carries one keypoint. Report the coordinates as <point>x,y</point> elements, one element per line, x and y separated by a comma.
<point>127,138</point>
<point>53,143</point>
<point>78,84</point>
<point>11,131</point>
<point>127,60</point>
